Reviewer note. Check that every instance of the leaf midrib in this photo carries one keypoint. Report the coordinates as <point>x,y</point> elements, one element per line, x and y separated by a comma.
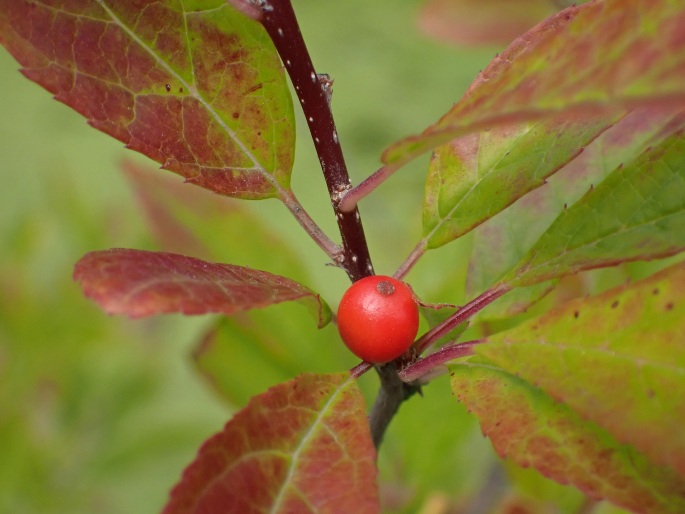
<point>192,90</point>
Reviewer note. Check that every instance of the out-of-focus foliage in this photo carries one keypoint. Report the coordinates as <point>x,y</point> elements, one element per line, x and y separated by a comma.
<point>101,414</point>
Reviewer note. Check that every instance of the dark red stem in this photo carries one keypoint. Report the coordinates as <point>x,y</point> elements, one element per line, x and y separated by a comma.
<point>464,313</point>
<point>360,369</point>
<point>445,354</point>
<point>278,18</point>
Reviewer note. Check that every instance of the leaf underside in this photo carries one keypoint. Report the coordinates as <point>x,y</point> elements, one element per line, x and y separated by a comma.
<point>303,446</point>
<point>141,283</point>
<point>197,88</point>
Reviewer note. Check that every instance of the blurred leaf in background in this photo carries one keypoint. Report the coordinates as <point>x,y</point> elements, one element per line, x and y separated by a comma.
<point>101,414</point>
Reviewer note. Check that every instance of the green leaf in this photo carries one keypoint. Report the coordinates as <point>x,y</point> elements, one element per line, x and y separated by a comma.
<point>636,213</point>
<point>528,427</point>
<point>601,58</point>
<point>473,178</point>
<point>246,353</point>
<point>501,242</point>
<point>197,87</point>
<point>617,359</point>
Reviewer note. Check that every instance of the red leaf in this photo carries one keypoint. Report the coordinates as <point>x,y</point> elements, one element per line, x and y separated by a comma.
<point>302,447</point>
<point>200,91</point>
<point>186,220</point>
<point>140,283</point>
<point>598,59</point>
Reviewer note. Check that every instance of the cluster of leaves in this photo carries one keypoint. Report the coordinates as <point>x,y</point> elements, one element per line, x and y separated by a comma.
<point>587,104</point>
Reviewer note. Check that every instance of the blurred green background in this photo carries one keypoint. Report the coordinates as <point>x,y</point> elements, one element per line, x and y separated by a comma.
<point>101,414</point>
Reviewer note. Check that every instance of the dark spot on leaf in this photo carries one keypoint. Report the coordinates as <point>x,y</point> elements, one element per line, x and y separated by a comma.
<point>236,115</point>
<point>168,88</point>
<point>650,393</point>
<point>669,306</point>
<point>576,314</point>
<point>615,304</point>
<point>180,90</point>
<point>655,290</point>
<point>255,88</point>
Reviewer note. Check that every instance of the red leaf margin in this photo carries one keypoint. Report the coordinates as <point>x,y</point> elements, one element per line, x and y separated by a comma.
<point>303,446</point>
<point>533,78</point>
<point>141,283</point>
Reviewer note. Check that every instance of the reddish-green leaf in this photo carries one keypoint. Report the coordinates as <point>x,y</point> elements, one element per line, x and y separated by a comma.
<point>140,283</point>
<point>528,427</point>
<point>500,243</point>
<point>192,221</point>
<point>637,212</point>
<point>473,178</point>
<point>617,359</point>
<point>601,57</point>
<point>474,22</point>
<point>304,446</point>
<point>197,86</point>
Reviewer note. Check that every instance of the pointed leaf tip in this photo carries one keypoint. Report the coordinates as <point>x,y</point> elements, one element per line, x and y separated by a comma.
<point>141,283</point>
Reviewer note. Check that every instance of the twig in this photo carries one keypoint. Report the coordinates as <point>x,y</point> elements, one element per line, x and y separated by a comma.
<point>278,18</point>
<point>411,260</point>
<point>360,369</point>
<point>464,313</point>
<point>302,216</point>
<point>351,197</point>
<point>392,393</point>
<point>448,352</point>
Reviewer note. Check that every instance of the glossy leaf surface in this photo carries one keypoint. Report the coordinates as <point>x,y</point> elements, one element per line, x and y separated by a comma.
<point>636,213</point>
<point>617,359</point>
<point>528,427</point>
<point>195,86</point>
<point>303,446</point>
<point>595,59</point>
<point>140,283</point>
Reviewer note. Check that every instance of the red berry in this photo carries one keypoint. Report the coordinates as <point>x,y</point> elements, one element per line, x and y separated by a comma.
<point>378,318</point>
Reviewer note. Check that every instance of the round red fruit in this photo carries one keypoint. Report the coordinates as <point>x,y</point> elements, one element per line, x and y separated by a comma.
<point>378,318</point>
